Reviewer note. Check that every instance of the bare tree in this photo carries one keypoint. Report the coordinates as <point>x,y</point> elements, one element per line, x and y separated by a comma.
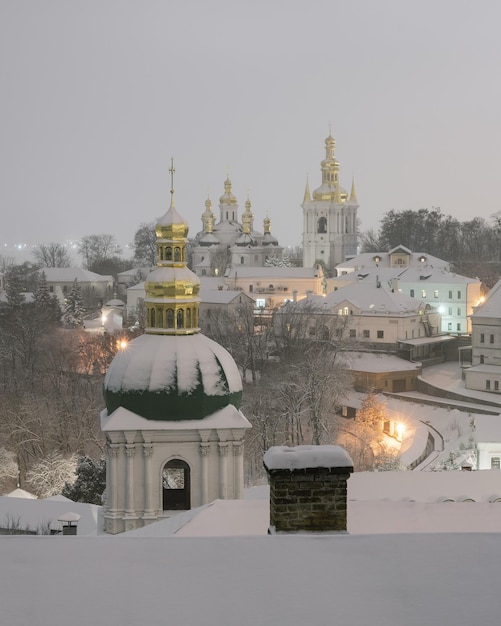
<point>51,255</point>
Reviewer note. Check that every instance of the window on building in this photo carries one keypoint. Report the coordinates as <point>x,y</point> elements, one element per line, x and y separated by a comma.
<point>412,293</point>
<point>481,359</point>
<point>423,293</point>
<point>458,327</point>
<point>495,462</point>
<point>380,334</point>
<point>435,293</point>
<point>459,311</point>
<point>353,332</point>
<point>482,337</point>
<point>51,288</point>
<point>322,225</point>
<point>242,260</point>
<point>450,310</point>
<point>346,310</point>
<point>496,385</point>
<point>491,339</point>
<point>459,295</point>
<point>449,326</point>
<point>450,295</point>
<point>367,334</point>
<point>251,288</point>
<point>487,384</point>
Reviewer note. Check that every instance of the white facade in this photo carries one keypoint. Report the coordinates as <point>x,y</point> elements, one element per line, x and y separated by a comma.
<point>329,217</point>
<point>139,449</point>
<point>271,287</point>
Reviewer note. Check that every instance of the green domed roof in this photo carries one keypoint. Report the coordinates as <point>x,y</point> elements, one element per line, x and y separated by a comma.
<point>172,378</point>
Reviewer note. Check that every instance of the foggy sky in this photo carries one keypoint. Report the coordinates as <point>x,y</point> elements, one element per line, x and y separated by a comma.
<point>98,95</point>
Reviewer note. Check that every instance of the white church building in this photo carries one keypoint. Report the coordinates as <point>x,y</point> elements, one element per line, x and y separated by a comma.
<point>173,428</point>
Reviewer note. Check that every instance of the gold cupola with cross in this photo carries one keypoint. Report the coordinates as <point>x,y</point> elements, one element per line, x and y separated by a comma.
<point>171,288</point>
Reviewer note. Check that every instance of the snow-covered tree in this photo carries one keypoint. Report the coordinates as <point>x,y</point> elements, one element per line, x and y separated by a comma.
<point>74,309</point>
<point>274,261</point>
<point>48,476</point>
<point>90,481</point>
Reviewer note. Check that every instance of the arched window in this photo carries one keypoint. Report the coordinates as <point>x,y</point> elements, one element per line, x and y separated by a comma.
<point>177,254</point>
<point>159,318</point>
<point>322,225</point>
<point>180,318</point>
<point>152,318</point>
<point>242,260</point>
<point>168,255</point>
<point>188,318</point>
<point>170,318</point>
<point>176,486</point>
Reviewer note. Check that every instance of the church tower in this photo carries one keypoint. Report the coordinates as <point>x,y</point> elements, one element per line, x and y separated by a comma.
<point>329,217</point>
<point>173,429</point>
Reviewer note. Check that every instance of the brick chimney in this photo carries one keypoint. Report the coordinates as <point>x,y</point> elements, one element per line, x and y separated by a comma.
<point>308,487</point>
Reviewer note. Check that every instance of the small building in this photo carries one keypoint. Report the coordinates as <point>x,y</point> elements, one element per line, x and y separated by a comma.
<point>95,287</point>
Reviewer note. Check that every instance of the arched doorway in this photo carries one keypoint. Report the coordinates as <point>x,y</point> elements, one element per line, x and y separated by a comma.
<point>176,486</point>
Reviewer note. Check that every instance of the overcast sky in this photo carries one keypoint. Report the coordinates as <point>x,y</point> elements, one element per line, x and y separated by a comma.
<point>97,95</point>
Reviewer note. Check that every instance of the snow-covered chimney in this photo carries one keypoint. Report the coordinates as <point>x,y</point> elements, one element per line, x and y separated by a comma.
<point>308,488</point>
<point>294,295</point>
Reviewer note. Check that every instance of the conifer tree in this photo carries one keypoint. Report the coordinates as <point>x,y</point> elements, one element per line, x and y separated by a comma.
<point>46,304</point>
<point>74,309</point>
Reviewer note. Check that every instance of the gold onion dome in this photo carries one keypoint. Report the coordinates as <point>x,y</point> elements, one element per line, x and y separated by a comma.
<point>172,372</point>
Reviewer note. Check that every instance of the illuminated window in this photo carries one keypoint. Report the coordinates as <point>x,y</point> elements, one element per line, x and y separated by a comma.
<point>423,293</point>
<point>435,293</point>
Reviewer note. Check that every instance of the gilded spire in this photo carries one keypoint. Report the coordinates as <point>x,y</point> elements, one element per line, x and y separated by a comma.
<point>171,288</point>
<point>208,217</point>
<point>353,193</point>
<point>307,194</point>
<point>247,217</point>
<point>172,172</point>
<point>228,203</point>
<point>267,224</point>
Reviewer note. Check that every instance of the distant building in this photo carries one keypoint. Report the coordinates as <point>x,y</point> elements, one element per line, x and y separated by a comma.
<point>329,217</point>
<point>95,288</point>
<point>270,287</point>
<point>229,242</point>
<point>420,276</point>
<point>485,371</point>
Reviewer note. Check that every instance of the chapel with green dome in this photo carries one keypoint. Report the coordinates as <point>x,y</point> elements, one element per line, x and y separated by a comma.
<point>172,421</point>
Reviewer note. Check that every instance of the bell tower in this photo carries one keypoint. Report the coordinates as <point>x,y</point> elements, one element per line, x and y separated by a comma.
<point>329,216</point>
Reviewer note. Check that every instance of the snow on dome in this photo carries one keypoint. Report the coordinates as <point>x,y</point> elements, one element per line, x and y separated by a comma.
<point>306,457</point>
<point>172,378</point>
<point>172,274</point>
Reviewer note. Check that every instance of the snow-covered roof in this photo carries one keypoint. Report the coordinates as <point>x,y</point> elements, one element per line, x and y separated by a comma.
<point>367,260</point>
<point>221,296</point>
<point>293,580</point>
<point>273,272</point>
<point>69,274</point>
<point>21,493</point>
<point>123,419</point>
<point>376,362</point>
<point>367,298</point>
